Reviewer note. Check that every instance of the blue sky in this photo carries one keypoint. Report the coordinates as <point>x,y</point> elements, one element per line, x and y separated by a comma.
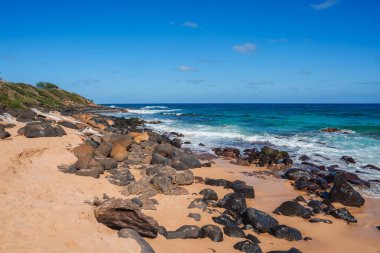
<point>139,51</point>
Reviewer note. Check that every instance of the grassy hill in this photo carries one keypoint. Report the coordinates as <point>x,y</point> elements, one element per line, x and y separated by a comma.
<point>20,95</point>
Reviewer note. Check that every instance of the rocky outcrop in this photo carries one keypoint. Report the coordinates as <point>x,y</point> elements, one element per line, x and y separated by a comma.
<point>160,179</point>
<point>120,213</point>
<point>166,154</point>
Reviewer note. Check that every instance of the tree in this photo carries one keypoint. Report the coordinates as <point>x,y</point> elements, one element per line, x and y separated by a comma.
<point>46,85</point>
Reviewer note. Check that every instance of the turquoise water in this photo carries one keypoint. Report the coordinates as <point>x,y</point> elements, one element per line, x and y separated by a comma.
<point>293,127</point>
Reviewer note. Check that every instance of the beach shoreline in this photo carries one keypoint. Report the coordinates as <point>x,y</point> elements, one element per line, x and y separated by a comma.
<point>45,209</point>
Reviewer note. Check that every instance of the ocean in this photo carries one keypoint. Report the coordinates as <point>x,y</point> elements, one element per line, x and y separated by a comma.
<point>291,127</point>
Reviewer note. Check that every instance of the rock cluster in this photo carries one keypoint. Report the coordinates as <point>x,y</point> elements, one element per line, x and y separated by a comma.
<point>266,157</point>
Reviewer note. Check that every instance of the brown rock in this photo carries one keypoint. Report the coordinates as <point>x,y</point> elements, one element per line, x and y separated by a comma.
<point>122,213</point>
<point>119,153</point>
<point>104,148</point>
<point>124,140</point>
<point>84,150</point>
<point>139,137</point>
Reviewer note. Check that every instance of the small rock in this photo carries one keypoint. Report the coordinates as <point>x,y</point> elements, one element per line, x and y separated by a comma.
<point>248,247</point>
<point>130,233</point>
<point>234,231</point>
<point>293,208</point>
<point>343,214</point>
<point>209,194</point>
<point>213,232</point>
<point>253,238</point>
<point>316,220</point>
<point>195,216</point>
<point>348,159</point>
<point>285,232</point>
<point>234,202</point>
<point>185,232</point>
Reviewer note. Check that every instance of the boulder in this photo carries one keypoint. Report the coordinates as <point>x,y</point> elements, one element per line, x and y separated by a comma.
<point>348,159</point>
<point>41,129</point>
<point>213,232</point>
<point>132,234</point>
<point>241,187</point>
<point>234,231</point>
<point>121,213</point>
<point>234,202</point>
<point>343,214</point>
<point>209,194</point>
<point>225,220</point>
<point>119,153</point>
<point>139,137</point>
<point>248,247</point>
<point>306,185</point>
<point>274,154</point>
<point>354,179</point>
<point>84,150</point>
<point>342,192</point>
<point>260,220</point>
<point>253,238</point>
<point>104,148</point>
<point>108,163</point>
<point>285,232</point>
<point>184,177</point>
<point>4,134</point>
<point>185,232</point>
<point>295,174</point>
<point>304,158</point>
<point>198,203</point>
<point>293,208</point>
<point>218,182</point>
<point>118,139</point>
<point>227,152</point>
<point>166,154</point>
<point>26,115</point>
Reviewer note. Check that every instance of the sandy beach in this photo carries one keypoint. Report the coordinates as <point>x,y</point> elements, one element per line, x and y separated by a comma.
<point>45,210</point>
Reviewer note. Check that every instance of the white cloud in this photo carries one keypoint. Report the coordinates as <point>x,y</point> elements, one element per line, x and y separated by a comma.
<point>324,5</point>
<point>190,24</point>
<point>185,68</point>
<point>245,48</point>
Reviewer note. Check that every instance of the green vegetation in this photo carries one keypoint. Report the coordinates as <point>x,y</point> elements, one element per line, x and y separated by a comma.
<point>44,94</point>
<point>46,85</point>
